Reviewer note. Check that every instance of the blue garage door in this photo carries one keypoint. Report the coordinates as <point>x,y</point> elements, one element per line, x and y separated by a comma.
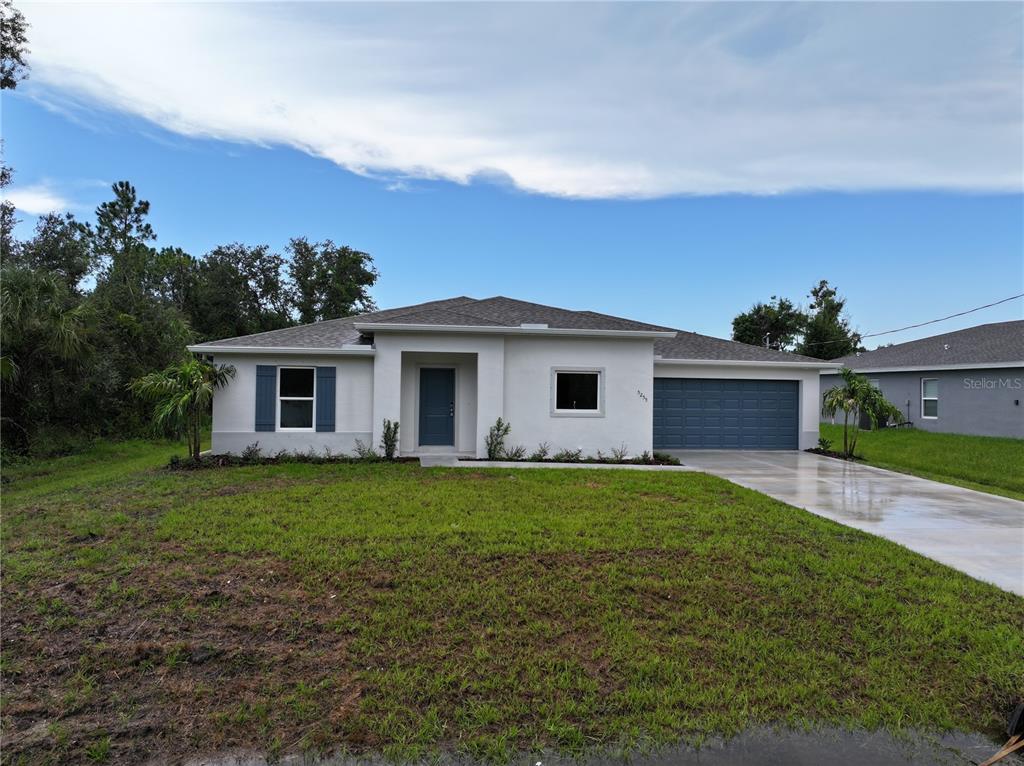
<point>705,413</point>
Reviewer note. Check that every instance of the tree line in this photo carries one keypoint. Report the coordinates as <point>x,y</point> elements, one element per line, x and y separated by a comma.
<point>90,306</point>
<point>822,330</point>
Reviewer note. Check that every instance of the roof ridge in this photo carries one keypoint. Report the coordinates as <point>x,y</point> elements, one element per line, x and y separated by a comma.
<point>588,312</point>
<point>417,307</point>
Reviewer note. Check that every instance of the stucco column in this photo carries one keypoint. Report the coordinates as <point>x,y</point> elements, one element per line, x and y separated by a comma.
<point>490,389</point>
<point>387,385</point>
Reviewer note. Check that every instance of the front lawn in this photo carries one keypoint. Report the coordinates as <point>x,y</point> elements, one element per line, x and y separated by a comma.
<point>986,463</point>
<point>407,611</point>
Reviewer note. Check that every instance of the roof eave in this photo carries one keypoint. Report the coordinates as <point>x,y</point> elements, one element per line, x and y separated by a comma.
<point>510,330</point>
<point>345,350</point>
<point>750,363</point>
<point>928,367</point>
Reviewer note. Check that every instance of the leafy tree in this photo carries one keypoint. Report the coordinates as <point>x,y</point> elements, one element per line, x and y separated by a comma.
<point>61,246</point>
<point>13,46</point>
<point>774,325</point>
<point>855,396</point>
<point>330,281</point>
<point>827,334</point>
<point>238,290</point>
<point>13,67</point>
<point>176,276</point>
<point>8,245</point>
<point>182,395</point>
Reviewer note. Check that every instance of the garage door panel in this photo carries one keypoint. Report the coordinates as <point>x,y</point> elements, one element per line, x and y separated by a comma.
<point>709,413</point>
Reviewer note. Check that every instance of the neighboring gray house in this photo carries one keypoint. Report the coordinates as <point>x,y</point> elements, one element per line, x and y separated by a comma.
<point>447,370</point>
<point>969,381</point>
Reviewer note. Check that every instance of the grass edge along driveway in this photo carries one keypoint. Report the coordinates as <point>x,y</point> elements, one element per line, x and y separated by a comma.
<point>404,611</point>
<point>985,463</point>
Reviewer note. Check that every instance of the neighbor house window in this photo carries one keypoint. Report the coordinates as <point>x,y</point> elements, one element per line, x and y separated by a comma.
<point>929,397</point>
<point>577,391</point>
<point>296,386</point>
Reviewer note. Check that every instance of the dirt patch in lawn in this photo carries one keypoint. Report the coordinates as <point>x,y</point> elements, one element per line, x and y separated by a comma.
<point>179,653</point>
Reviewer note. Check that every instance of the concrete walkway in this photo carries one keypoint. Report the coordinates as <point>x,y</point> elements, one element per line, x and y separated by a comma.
<point>977,533</point>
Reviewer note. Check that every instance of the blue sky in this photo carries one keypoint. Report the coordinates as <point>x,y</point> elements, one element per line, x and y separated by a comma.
<point>666,187</point>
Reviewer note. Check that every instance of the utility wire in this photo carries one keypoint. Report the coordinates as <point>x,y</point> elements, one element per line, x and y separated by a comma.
<point>921,324</point>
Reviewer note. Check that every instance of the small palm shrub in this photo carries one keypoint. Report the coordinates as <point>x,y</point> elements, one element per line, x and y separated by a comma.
<point>855,396</point>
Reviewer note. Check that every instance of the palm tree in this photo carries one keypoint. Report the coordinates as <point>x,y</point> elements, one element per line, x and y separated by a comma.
<point>855,396</point>
<point>44,337</point>
<point>38,319</point>
<point>182,394</point>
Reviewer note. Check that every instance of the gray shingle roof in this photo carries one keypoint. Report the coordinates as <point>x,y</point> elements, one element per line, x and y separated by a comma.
<point>509,312</point>
<point>692,346</point>
<point>987,344</point>
<point>505,312</point>
<point>330,333</point>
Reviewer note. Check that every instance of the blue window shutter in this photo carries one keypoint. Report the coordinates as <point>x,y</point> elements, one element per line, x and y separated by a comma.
<point>325,398</point>
<point>266,397</point>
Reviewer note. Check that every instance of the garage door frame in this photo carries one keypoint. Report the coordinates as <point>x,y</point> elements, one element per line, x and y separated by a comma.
<point>726,413</point>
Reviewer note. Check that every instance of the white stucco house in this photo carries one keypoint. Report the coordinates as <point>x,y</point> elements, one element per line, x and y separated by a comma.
<point>447,370</point>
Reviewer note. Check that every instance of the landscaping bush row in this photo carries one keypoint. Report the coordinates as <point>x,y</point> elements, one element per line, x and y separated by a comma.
<point>577,456</point>
<point>497,450</point>
<point>388,452</point>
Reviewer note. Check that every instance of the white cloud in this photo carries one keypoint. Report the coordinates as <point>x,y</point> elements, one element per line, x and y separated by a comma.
<point>577,100</point>
<point>36,199</point>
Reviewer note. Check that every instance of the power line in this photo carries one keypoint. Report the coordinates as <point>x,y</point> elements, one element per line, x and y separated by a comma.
<point>921,324</point>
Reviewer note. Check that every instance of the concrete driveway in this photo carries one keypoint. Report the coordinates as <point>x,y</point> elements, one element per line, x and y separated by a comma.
<point>977,533</point>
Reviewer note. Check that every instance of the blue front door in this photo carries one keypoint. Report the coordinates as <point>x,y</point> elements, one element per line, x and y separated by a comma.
<point>437,406</point>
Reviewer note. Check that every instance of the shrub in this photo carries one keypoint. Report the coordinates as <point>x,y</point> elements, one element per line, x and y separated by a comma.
<point>363,452</point>
<point>665,459</point>
<point>389,439</point>
<point>516,453</point>
<point>495,441</point>
<point>252,453</point>
<point>541,452</point>
<point>619,453</point>
<point>824,444</point>
<point>568,456</point>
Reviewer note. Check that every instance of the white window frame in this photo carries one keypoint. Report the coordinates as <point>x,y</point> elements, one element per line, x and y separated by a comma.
<point>929,399</point>
<point>296,399</point>
<point>557,413</point>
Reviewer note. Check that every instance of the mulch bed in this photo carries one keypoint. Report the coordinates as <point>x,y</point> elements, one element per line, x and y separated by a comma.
<point>834,454</point>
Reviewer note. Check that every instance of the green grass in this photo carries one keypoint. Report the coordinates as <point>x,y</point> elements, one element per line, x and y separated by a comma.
<point>986,463</point>
<point>392,609</point>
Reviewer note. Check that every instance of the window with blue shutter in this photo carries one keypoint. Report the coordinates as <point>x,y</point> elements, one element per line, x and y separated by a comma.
<point>266,397</point>
<point>325,377</point>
